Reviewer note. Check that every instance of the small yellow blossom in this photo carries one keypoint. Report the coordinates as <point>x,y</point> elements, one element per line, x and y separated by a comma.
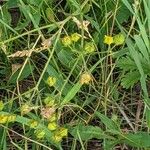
<point>63,132</point>
<point>108,40</point>
<point>49,101</point>
<point>52,118</point>
<point>25,109</point>
<point>66,41</point>
<point>57,138</point>
<point>3,118</point>
<point>1,105</point>
<point>85,78</point>
<point>51,81</point>
<point>6,118</point>
<point>89,47</point>
<point>119,39</point>
<point>75,37</point>
<point>59,134</point>
<point>40,133</point>
<point>33,124</point>
<point>52,126</point>
<point>11,118</point>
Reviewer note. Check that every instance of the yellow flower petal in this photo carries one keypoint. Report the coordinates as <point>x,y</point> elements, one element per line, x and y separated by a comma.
<point>25,109</point>
<point>66,41</point>
<point>75,37</point>
<point>119,39</point>
<point>40,134</point>
<point>3,118</point>
<point>49,101</point>
<point>11,118</point>
<point>33,124</point>
<point>51,81</point>
<point>89,47</point>
<point>63,132</point>
<point>108,40</point>
<point>52,126</point>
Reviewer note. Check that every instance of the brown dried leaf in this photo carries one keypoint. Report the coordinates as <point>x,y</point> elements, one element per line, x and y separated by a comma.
<point>15,67</point>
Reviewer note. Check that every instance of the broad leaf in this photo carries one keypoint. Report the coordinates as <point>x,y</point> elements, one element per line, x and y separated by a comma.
<point>87,132</point>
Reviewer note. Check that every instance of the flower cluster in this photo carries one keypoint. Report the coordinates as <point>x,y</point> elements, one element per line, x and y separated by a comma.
<point>6,118</point>
<point>68,40</point>
<point>85,78</point>
<point>49,113</point>
<point>59,134</point>
<point>89,47</point>
<point>118,39</point>
<point>51,81</point>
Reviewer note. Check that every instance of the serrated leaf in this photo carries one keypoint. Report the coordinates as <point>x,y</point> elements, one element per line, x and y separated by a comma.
<point>108,122</point>
<point>126,63</point>
<point>87,132</point>
<point>140,139</point>
<point>130,79</point>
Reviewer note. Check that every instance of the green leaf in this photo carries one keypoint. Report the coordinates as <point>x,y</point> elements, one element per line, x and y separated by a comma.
<point>130,79</point>
<point>126,63</point>
<point>71,93</point>
<point>108,122</point>
<point>50,14</point>
<point>74,3</point>
<point>148,117</point>
<point>142,47</point>
<point>110,144</point>
<point>87,132</point>
<point>35,3</point>
<point>28,69</point>
<point>140,139</point>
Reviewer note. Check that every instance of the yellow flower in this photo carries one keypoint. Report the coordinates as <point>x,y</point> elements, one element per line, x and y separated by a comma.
<point>25,109</point>
<point>33,123</point>
<point>66,40</point>
<point>40,133</point>
<point>63,132</point>
<point>75,37</point>
<point>108,40</point>
<point>85,78</point>
<point>52,118</point>
<point>1,105</point>
<point>52,126</point>
<point>51,81</point>
<point>119,39</point>
<point>89,47</point>
<point>57,138</point>
<point>59,134</point>
<point>3,118</point>
<point>49,101</point>
<point>11,118</point>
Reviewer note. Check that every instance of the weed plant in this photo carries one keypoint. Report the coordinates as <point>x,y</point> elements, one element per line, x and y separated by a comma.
<point>74,74</point>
